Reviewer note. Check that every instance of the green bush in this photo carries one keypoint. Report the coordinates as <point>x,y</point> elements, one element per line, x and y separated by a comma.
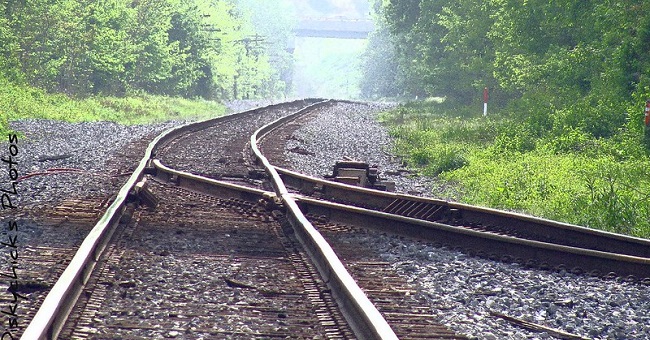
<point>570,141</point>
<point>546,167</point>
<point>616,196</point>
<point>513,140</point>
<point>437,159</point>
<point>599,118</point>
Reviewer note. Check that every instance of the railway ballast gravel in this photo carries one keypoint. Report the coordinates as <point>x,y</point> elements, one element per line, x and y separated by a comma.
<point>67,174</point>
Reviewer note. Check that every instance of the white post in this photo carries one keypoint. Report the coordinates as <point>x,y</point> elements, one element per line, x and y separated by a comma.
<point>485,101</point>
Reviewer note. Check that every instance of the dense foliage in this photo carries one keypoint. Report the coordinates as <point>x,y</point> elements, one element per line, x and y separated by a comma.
<point>182,48</point>
<point>564,137</point>
<point>591,55</point>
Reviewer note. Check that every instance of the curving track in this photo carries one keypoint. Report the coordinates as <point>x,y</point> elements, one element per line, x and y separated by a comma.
<point>127,240</point>
<point>486,232</point>
<point>234,256</point>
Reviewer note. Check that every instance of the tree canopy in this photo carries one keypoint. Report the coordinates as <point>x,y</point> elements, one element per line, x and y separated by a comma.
<point>589,56</point>
<point>185,48</point>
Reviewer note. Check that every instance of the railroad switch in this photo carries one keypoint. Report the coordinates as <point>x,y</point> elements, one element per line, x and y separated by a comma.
<point>361,174</point>
<point>257,174</point>
<point>127,215</point>
<point>150,168</point>
<point>142,195</point>
<point>452,215</point>
<point>271,202</point>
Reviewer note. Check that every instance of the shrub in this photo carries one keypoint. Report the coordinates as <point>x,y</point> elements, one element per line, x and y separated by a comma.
<point>437,159</point>
<point>540,164</point>
<point>516,139</point>
<point>570,141</point>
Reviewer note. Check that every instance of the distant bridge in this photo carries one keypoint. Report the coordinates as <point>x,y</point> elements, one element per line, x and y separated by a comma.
<point>341,28</point>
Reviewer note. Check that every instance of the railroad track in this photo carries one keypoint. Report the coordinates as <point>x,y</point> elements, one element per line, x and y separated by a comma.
<point>47,256</point>
<point>232,269</point>
<point>471,228</point>
<point>49,234</point>
<point>101,269</point>
<point>218,149</point>
<point>489,233</point>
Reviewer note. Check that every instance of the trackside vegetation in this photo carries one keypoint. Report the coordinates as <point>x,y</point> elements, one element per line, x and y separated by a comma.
<point>505,162</point>
<point>137,61</point>
<point>28,102</point>
<point>564,137</point>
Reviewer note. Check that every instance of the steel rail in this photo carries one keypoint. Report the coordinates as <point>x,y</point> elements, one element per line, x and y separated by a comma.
<point>57,305</point>
<point>309,236</point>
<point>207,123</point>
<point>582,237</point>
<point>498,246</point>
<point>364,318</point>
<point>55,309</point>
<point>209,186</point>
<point>412,227</point>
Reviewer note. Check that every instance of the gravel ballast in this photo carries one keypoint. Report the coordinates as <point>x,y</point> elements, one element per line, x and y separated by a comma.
<point>60,164</point>
<point>98,156</point>
<point>467,293</point>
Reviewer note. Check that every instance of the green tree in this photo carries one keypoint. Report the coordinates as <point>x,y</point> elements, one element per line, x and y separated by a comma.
<point>241,68</point>
<point>109,47</point>
<point>273,22</point>
<point>155,55</point>
<point>191,75</point>
<point>9,62</point>
<point>117,47</point>
<point>48,37</point>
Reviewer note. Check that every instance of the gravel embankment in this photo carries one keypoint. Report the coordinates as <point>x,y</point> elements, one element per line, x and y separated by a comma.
<point>98,154</point>
<point>96,159</point>
<point>464,291</point>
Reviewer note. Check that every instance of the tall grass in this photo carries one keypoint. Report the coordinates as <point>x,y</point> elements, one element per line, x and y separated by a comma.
<point>563,174</point>
<point>18,101</point>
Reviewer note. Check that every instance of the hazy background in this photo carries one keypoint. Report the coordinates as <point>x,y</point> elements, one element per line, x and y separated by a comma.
<point>327,67</point>
<point>332,8</point>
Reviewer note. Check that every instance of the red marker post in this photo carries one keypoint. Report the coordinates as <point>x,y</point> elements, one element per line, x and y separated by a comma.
<point>646,113</point>
<point>485,101</point>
